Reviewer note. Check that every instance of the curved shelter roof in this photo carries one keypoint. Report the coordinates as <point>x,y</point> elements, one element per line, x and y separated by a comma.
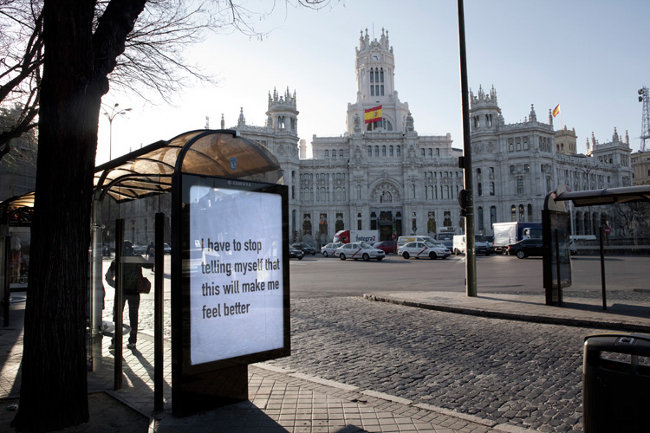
<point>148,171</point>
<point>618,195</point>
<point>18,209</point>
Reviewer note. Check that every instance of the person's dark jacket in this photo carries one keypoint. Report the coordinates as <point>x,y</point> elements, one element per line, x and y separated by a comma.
<point>131,274</point>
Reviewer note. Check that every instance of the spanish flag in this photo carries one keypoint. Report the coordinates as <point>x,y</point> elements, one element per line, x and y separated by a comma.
<point>556,110</point>
<point>372,115</point>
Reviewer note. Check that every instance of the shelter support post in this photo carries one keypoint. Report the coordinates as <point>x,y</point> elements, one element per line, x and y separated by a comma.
<point>557,265</point>
<point>117,303</point>
<point>158,311</point>
<point>602,269</point>
<point>5,280</point>
<point>97,284</point>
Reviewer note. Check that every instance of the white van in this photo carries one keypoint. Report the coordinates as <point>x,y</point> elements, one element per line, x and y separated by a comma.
<point>459,245</point>
<point>481,245</point>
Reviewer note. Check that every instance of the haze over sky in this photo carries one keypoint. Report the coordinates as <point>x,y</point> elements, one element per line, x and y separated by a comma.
<point>590,56</point>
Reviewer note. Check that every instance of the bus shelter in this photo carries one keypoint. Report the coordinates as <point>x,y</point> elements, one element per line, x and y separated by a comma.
<point>198,188</point>
<point>15,220</point>
<point>599,197</point>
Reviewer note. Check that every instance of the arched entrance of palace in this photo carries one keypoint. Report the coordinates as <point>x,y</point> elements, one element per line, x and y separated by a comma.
<point>388,222</point>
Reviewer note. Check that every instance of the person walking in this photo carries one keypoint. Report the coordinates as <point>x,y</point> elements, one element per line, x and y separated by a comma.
<point>131,275</point>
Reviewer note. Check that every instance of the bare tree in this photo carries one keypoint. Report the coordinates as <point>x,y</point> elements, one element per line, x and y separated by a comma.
<point>22,46</point>
<point>152,58</point>
<point>82,43</point>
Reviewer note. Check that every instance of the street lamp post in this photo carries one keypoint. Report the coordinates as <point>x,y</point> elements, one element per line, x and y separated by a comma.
<point>115,111</point>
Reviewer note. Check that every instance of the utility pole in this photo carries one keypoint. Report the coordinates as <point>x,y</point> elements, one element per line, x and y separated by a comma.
<point>466,163</point>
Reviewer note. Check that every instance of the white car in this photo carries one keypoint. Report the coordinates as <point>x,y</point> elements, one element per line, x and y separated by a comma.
<point>359,250</point>
<point>330,249</point>
<point>421,250</point>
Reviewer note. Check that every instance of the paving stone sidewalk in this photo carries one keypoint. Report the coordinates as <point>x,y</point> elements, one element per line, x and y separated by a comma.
<point>284,400</point>
<point>280,400</point>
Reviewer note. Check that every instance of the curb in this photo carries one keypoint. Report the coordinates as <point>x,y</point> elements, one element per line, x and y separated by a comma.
<point>503,427</point>
<point>567,321</point>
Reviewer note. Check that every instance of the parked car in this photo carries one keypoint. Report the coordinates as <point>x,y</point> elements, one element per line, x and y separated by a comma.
<point>295,253</point>
<point>360,250</point>
<point>330,249</point>
<point>420,250</point>
<point>167,248</point>
<point>305,248</point>
<point>527,247</point>
<point>387,246</point>
<point>139,250</point>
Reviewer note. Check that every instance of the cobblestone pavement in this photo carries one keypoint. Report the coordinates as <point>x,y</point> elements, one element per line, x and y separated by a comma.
<point>520,373</point>
<point>514,372</point>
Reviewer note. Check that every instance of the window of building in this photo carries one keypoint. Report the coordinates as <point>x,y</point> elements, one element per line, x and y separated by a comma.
<point>511,145</point>
<point>447,220</point>
<point>429,152</point>
<point>479,189</point>
<point>530,212</point>
<point>377,151</point>
<point>333,154</point>
<point>373,221</point>
<point>491,188</point>
<point>513,213</point>
<point>306,224</point>
<point>422,151</point>
<point>369,151</point>
<point>327,154</point>
<point>390,150</point>
<point>341,153</point>
<point>398,150</point>
<point>493,215</point>
<point>437,151</point>
<point>481,227</point>
<point>359,219</point>
<point>520,185</point>
<point>383,150</point>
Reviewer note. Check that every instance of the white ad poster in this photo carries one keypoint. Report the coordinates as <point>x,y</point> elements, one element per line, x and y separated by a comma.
<point>236,275</point>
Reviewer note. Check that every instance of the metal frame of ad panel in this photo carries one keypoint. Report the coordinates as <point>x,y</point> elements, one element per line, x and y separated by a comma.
<point>557,260</point>
<point>230,286</point>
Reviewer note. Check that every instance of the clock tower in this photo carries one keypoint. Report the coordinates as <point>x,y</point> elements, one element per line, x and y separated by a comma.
<point>375,70</point>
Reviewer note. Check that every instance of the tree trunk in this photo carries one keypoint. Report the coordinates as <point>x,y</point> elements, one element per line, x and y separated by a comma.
<point>54,384</point>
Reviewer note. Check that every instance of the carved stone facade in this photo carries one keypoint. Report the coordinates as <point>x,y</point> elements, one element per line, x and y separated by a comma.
<point>384,176</point>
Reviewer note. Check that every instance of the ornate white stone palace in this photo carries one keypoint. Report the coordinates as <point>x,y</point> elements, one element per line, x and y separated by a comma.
<point>385,176</point>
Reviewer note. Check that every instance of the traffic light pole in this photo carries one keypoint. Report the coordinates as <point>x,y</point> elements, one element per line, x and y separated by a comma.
<point>470,252</point>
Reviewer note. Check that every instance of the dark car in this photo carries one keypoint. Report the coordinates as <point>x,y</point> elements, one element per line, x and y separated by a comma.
<point>295,253</point>
<point>447,239</point>
<point>527,247</point>
<point>386,246</point>
<point>305,248</point>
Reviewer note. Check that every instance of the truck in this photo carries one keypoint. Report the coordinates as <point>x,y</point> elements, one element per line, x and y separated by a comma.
<point>347,236</point>
<point>510,232</point>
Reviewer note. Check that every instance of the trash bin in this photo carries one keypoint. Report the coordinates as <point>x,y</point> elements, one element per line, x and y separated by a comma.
<point>616,383</point>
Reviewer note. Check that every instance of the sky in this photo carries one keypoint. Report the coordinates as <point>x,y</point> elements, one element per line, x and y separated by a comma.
<point>589,56</point>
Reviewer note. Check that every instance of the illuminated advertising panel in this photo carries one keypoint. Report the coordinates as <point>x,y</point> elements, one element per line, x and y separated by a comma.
<point>235,274</point>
